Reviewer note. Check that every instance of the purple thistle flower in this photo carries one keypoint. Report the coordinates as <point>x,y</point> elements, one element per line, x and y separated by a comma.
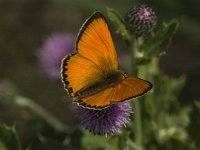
<point>141,20</point>
<point>54,49</point>
<point>106,121</point>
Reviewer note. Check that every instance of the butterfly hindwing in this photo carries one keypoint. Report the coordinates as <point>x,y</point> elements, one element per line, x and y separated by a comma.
<point>129,88</point>
<point>97,101</point>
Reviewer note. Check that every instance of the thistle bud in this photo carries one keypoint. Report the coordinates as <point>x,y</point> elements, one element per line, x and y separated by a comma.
<point>140,20</point>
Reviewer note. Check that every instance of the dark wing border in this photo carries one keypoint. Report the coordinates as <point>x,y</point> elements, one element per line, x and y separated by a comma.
<point>85,25</point>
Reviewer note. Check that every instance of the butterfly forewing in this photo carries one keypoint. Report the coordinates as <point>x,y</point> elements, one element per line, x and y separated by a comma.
<point>95,43</point>
<point>95,54</point>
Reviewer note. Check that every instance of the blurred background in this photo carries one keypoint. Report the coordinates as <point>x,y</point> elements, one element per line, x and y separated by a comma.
<point>25,27</point>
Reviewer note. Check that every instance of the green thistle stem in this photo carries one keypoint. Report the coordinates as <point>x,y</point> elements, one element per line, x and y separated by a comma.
<point>138,129</point>
<point>40,111</point>
<point>137,112</point>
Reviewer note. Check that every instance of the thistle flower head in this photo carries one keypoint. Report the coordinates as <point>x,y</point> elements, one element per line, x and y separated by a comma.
<point>141,20</point>
<point>106,121</point>
<point>53,50</point>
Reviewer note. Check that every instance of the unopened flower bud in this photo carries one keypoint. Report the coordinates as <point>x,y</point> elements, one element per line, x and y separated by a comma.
<point>140,20</point>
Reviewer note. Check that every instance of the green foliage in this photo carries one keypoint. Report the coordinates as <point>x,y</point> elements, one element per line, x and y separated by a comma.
<point>197,104</point>
<point>157,43</point>
<point>163,122</point>
<point>194,126</point>
<point>167,121</point>
<point>41,112</point>
<point>96,142</point>
<point>118,22</point>
<point>8,138</point>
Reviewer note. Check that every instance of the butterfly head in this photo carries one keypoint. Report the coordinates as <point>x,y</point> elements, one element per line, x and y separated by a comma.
<point>125,75</point>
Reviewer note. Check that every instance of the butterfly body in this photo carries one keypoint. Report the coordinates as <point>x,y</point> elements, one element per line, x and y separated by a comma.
<point>91,76</point>
<point>108,80</point>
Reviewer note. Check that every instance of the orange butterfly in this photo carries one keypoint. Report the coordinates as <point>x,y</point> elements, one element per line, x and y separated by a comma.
<point>91,76</point>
